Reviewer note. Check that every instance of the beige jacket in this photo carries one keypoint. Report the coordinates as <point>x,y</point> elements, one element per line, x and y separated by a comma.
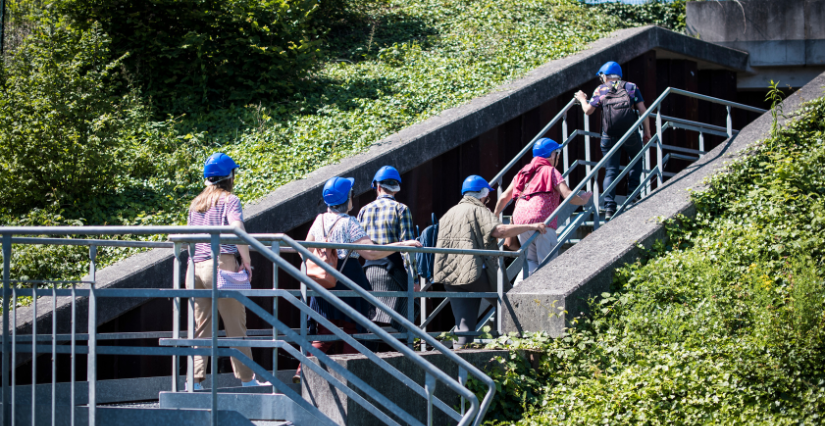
<point>468,225</point>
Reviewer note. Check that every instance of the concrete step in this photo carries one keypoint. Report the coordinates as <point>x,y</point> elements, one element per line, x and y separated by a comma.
<point>131,416</point>
<point>253,406</point>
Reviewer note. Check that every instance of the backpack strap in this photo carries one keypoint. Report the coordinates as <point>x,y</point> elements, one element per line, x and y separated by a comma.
<point>324,228</point>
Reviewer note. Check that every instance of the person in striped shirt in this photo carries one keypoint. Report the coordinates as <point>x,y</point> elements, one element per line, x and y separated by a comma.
<point>217,206</point>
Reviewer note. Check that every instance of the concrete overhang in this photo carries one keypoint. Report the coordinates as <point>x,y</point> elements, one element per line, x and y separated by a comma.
<point>297,202</point>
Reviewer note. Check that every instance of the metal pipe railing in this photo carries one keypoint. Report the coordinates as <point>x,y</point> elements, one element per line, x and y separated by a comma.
<point>215,239</point>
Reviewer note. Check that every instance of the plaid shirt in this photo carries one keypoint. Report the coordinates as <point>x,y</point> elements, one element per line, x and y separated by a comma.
<point>388,221</point>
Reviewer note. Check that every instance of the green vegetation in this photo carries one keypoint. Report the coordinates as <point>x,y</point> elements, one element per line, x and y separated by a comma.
<point>723,324</point>
<point>110,107</point>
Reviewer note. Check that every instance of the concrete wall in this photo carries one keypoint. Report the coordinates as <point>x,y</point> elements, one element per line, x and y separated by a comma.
<point>587,269</point>
<point>781,37</point>
<point>344,411</point>
<point>433,156</point>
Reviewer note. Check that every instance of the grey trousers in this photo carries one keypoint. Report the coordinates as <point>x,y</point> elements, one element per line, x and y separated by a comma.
<point>465,310</point>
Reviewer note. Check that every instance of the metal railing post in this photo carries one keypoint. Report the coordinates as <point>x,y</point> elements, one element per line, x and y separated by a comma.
<point>303,316</point>
<point>659,145</point>
<point>216,253</point>
<point>564,150</point>
<point>462,380</point>
<point>701,142</point>
<point>525,268</point>
<point>729,123</point>
<point>596,218</point>
<point>91,373</point>
<point>73,350</point>
<point>34,354</point>
<point>7,420</point>
<point>410,302</point>
<point>586,149</point>
<point>14,354</point>
<point>190,317</point>
<point>276,249</point>
<point>54,354</point>
<point>422,282</point>
<point>501,279</point>
<point>176,315</point>
<point>647,166</point>
<point>429,387</point>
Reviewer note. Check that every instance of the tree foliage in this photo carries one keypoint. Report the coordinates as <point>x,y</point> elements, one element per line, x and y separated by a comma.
<point>186,53</point>
<point>62,120</point>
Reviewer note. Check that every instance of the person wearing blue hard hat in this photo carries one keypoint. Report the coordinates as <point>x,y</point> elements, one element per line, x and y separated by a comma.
<point>218,206</point>
<point>617,99</point>
<point>387,221</point>
<point>471,225</point>
<point>337,226</point>
<point>537,190</point>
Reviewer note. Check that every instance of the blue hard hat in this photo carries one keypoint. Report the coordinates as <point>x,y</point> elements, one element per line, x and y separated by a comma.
<point>218,164</point>
<point>610,68</point>
<point>385,173</point>
<point>544,147</point>
<point>474,183</point>
<point>336,190</point>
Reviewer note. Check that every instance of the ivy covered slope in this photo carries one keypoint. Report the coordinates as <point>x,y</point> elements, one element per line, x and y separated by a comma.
<point>109,108</point>
<point>723,325</point>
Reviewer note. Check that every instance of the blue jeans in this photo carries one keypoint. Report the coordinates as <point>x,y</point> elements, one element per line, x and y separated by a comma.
<point>632,146</point>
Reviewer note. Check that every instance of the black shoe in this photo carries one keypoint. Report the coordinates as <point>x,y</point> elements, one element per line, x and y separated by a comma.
<point>608,214</point>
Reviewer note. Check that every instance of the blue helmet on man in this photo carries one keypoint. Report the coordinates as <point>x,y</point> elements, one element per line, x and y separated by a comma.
<point>474,183</point>
<point>337,189</point>
<point>544,147</point>
<point>610,68</point>
<point>218,165</point>
<point>386,173</point>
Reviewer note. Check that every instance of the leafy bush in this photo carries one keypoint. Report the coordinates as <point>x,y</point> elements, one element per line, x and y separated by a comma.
<point>668,14</point>
<point>61,121</point>
<point>723,324</point>
<point>389,64</point>
<point>185,53</point>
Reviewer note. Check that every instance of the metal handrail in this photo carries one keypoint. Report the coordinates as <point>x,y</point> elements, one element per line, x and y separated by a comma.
<point>476,410</point>
<point>655,106</point>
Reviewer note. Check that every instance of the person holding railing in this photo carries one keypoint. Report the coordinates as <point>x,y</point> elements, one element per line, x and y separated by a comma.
<point>387,221</point>
<point>616,99</point>
<point>537,190</point>
<point>337,226</point>
<point>218,206</point>
<point>470,225</point>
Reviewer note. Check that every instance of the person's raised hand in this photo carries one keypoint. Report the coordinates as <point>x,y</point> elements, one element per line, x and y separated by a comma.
<point>540,227</point>
<point>581,96</point>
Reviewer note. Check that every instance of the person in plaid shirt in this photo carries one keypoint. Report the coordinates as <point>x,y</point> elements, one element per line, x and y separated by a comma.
<point>387,221</point>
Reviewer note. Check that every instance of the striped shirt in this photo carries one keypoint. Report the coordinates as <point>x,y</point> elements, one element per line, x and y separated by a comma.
<point>388,221</point>
<point>225,211</point>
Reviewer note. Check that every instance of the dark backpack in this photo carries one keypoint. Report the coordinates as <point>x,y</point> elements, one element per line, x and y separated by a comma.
<point>617,111</point>
<point>425,261</point>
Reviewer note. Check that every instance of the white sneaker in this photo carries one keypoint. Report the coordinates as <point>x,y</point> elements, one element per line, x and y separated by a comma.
<point>198,386</point>
<point>255,382</point>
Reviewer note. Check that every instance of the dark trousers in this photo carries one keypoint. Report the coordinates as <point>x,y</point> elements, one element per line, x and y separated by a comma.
<point>632,146</point>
